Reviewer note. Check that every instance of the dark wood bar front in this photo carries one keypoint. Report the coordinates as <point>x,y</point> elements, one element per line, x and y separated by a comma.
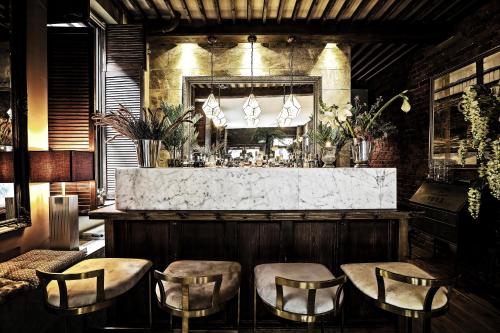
<point>251,238</point>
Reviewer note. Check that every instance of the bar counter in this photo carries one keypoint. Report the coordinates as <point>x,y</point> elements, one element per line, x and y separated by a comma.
<point>329,237</point>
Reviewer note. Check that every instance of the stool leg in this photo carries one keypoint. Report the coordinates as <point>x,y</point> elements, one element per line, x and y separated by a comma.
<point>171,322</point>
<point>150,309</point>
<point>408,325</point>
<point>254,307</point>
<point>185,324</point>
<point>238,310</point>
<point>342,319</point>
<point>426,325</point>
<point>310,327</point>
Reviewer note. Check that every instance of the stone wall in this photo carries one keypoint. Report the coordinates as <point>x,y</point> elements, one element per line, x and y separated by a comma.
<point>168,63</point>
<point>408,150</point>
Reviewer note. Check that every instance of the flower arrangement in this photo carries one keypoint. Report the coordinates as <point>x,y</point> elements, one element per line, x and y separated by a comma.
<point>480,106</point>
<point>150,125</point>
<point>327,136</point>
<point>360,122</point>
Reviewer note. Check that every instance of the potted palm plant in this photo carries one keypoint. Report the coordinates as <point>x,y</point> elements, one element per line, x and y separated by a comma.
<point>146,131</point>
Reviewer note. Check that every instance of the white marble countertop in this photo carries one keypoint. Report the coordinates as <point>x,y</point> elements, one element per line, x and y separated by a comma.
<point>255,188</point>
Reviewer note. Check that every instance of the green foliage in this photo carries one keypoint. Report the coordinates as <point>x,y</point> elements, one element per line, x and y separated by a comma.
<point>176,138</point>
<point>326,133</point>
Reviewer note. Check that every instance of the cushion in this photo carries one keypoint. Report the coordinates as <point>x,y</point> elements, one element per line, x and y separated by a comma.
<point>200,296</point>
<point>23,267</point>
<point>9,288</point>
<point>402,295</point>
<point>294,299</point>
<point>120,275</point>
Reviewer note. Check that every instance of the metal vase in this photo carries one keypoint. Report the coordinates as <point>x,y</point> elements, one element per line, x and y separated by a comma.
<point>361,153</point>
<point>148,153</point>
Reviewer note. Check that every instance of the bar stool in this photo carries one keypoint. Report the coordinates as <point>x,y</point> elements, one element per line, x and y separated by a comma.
<point>92,285</point>
<point>191,288</point>
<point>300,292</point>
<point>402,288</point>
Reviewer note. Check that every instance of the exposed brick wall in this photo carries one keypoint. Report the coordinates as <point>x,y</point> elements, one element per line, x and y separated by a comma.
<point>475,34</point>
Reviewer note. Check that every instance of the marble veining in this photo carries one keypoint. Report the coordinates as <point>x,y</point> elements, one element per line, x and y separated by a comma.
<point>255,188</point>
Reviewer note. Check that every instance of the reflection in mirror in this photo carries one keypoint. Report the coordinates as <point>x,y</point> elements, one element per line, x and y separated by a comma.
<point>7,206</point>
<point>265,141</point>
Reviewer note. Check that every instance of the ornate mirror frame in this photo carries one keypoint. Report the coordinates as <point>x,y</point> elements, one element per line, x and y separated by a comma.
<point>315,81</point>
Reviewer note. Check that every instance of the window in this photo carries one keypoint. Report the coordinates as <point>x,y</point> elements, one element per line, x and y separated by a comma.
<point>448,126</point>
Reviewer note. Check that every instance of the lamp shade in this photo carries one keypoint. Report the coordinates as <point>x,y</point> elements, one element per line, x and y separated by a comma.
<point>6,167</point>
<point>291,108</point>
<point>251,107</point>
<point>61,166</point>
<point>211,106</point>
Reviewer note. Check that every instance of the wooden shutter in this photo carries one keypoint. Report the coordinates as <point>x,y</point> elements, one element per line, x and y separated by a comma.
<point>70,105</point>
<point>125,56</point>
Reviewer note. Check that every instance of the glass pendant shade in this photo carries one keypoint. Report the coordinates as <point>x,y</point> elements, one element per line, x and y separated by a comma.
<point>252,122</point>
<point>251,107</point>
<point>219,119</point>
<point>210,106</point>
<point>292,107</point>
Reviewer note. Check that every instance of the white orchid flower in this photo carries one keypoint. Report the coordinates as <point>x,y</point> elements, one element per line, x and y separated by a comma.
<point>406,107</point>
<point>344,113</point>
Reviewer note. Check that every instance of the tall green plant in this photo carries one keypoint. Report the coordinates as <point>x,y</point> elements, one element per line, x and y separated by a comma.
<point>175,139</point>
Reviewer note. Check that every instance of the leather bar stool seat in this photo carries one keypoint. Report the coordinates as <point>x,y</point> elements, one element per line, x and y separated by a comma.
<point>197,288</point>
<point>92,285</point>
<point>402,288</point>
<point>200,295</point>
<point>299,291</point>
<point>120,275</point>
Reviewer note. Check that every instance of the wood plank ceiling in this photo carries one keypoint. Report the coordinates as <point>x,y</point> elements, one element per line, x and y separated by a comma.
<point>382,32</point>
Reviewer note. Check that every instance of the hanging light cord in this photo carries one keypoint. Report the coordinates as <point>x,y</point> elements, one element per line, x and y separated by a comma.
<point>212,66</point>
<point>251,68</point>
<point>291,70</point>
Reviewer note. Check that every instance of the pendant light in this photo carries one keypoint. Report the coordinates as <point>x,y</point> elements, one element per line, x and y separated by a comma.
<point>251,107</point>
<point>283,119</point>
<point>211,106</point>
<point>219,119</point>
<point>292,107</point>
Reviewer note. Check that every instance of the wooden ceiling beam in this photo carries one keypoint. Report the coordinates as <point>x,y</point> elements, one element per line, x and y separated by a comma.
<point>392,7</point>
<point>387,32</point>
<point>280,11</point>
<point>169,6</point>
<point>264,11</point>
<point>342,10</point>
<point>124,9</point>
<point>186,11</point>
<point>368,53</point>
<point>465,7</point>
<point>359,67</point>
<point>201,8</point>
<point>217,11</point>
<point>233,10</point>
<point>152,5</point>
<point>429,10</point>
<point>296,9</point>
<point>421,5</point>
<point>312,8</point>
<point>375,9</point>
<point>358,51</point>
<point>249,10</point>
<point>359,9</point>
<point>401,55</point>
<point>138,8</point>
<point>328,9</point>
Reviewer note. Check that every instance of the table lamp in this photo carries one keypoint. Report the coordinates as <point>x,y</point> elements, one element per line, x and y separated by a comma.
<point>62,166</point>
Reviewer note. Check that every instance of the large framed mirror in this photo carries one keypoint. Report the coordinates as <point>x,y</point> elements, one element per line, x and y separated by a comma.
<point>14,187</point>
<point>267,140</point>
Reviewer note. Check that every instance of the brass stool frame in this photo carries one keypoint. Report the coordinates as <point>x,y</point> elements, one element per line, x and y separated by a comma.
<point>185,313</point>
<point>427,313</point>
<point>101,302</point>
<point>311,286</point>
